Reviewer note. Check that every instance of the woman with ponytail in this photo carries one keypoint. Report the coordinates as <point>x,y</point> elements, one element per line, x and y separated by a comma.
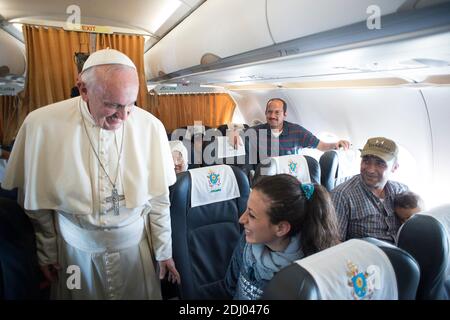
<point>284,221</point>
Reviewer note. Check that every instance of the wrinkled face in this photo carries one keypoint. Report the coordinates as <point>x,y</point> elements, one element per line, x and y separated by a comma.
<point>375,172</point>
<point>111,98</point>
<point>178,161</point>
<point>256,221</point>
<point>406,213</point>
<point>275,114</point>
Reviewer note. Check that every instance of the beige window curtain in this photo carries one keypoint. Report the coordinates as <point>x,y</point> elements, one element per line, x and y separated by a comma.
<point>52,71</point>
<point>9,118</point>
<point>133,47</point>
<point>178,110</point>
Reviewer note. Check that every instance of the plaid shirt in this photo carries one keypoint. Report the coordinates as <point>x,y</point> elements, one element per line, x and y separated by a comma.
<point>362,214</point>
<point>292,139</point>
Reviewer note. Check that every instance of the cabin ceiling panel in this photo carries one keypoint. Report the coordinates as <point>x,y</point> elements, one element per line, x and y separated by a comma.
<point>412,60</point>
<point>222,28</point>
<point>154,17</point>
<point>291,19</point>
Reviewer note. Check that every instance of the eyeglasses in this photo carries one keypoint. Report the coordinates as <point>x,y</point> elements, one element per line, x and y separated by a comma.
<point>117,105</point>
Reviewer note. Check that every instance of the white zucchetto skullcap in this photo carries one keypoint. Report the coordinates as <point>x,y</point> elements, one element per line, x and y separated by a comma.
<point>107,56</point>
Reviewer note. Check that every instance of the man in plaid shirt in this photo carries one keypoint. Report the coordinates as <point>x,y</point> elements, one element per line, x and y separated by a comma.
<point>279,137</point>
<point>365,203</point>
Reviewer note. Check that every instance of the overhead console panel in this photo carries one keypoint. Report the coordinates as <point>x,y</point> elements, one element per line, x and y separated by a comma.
<point>403,41</point>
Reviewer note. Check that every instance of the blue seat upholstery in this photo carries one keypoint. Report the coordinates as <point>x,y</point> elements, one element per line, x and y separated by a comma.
<point>329,162</point>
<point>425,238</point>
<point>442,214</point>
<point>19,271</point>
<point>296,283</point>
<point>204,237</point>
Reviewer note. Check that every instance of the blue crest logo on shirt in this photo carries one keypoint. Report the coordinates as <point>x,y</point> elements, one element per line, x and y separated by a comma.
<point>214,181</point>
<point>363,284</point>
<point>292,167</point>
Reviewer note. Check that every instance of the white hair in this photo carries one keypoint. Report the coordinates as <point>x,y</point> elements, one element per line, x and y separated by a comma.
<point>91,76</point>
<point>177,145</point>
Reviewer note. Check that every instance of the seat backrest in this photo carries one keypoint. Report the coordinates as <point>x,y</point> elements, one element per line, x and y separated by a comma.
<point>18,260</point>
<point>425,238</point>
<point>205,235</point>
<point>337,166</point>
<point>358,269</point>
<point>272,167</point>
<point>442,214</point>
<point>328,168</point>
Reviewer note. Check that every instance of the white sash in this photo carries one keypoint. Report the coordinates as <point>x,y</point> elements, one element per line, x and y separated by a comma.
<point>100,240</point>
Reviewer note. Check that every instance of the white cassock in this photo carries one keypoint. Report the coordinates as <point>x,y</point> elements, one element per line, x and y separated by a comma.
<point>65,192</point>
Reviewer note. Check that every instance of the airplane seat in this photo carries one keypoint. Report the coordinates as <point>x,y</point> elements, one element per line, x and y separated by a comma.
<point>357,269</point>
<point>314,169</point>
<point>303,167</point>
<point>425,238</point>
<point>19,270</point>
<point>442,214</point>
<point>328,166</point>
<point>206,204</point>
<point>337,166</point>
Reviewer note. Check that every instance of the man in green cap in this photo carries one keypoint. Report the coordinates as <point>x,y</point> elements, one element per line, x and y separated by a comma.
<point>365,203</point>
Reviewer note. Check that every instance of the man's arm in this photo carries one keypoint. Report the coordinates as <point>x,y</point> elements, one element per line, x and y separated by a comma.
<point>325,146</point>
<point>161,233</point>
<point>46,243</point>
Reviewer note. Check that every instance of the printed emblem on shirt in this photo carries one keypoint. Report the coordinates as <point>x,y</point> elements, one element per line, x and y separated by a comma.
<point>214,181</point>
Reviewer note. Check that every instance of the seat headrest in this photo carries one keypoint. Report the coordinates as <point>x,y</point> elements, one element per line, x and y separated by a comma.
<point>193,130</point>
<point>213,184</point>
<point>425,238</point>
<point>294,165</point>
<point>226,150</point>
<point>352,270</point>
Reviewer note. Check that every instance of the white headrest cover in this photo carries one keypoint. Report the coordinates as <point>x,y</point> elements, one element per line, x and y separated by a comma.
<point>353,270</point>
<point>295,165</point>
<point>213,184</point>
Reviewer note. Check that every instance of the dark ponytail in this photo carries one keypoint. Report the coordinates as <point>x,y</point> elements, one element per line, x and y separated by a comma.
<point>313,218</point>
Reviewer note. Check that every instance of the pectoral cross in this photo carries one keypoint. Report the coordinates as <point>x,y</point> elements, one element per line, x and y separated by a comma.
<point>115,199</point>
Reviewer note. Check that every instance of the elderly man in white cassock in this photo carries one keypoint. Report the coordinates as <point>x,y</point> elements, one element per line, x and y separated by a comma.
<point>93,174</point>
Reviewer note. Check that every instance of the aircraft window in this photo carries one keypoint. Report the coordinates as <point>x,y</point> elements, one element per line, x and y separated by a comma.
<point>323,136</point>
<point>409,173</point>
